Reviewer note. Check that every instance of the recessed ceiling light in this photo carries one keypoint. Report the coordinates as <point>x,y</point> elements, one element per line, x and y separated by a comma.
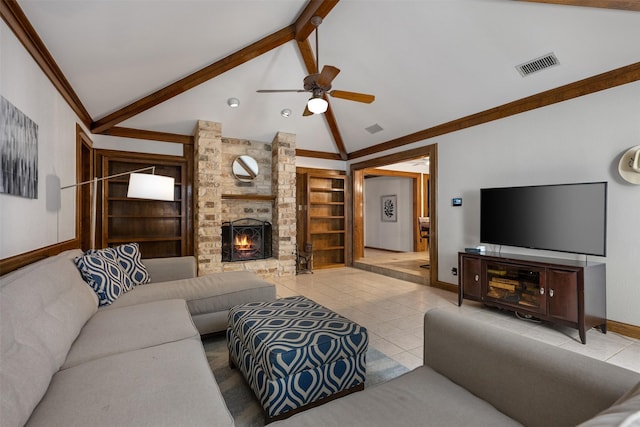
<point>285,113</point>
<point>233,102</point>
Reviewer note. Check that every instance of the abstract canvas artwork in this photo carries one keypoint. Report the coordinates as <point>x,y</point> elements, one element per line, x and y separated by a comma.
<point>18,152</point>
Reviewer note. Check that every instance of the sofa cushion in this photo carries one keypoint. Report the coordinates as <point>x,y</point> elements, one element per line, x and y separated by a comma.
<point>131,328</point>
<point>130,260</point>
<point>42,310</point>
<point>171,268</point>
<point>421,397</point>
<point>102,271</point>
<point>205,294</point>
<point>624,413</point>
<point>166,385</point>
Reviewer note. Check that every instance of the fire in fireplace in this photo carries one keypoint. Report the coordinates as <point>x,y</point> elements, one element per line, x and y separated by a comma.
<point>246,239</point>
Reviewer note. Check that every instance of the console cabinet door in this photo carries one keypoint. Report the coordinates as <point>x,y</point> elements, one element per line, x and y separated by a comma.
<point>471,274</point>
<point>562,296</point>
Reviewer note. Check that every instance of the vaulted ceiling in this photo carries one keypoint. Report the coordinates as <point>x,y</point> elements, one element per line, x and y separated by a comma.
<point>151,69</point>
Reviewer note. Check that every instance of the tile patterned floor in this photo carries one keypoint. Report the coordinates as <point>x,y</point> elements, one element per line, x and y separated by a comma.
<point>392,310</point>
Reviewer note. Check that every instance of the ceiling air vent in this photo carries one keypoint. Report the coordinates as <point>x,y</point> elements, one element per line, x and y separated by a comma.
<point>374,128</point>
<point>538,64</point>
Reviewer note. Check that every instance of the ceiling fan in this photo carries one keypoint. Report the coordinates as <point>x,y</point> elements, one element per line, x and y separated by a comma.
<point>319,85</point>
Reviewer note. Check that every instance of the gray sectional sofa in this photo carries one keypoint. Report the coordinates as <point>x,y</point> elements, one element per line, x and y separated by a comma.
<point>140,361</point>
<point>479,375</point>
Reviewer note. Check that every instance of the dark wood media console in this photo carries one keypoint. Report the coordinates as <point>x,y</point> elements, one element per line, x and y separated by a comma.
<point>566,292</point>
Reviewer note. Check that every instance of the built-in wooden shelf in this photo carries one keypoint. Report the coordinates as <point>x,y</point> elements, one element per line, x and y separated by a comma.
<point>258,197</point>
<point>161,228</point>
<point>324,204</point>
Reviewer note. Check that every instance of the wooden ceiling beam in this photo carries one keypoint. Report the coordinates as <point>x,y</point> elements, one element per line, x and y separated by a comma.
<point>617,77</point>
<point>15,18</point>
<point>205,74</point>
<point>310,62</point>
<point>605,4</point>
<point>307,56</point>
<point>317,154</point>
<point>335,132</point>
<point>303,24</point>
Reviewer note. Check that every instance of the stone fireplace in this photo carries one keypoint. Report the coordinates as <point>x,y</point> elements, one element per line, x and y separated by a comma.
<point>246,239</point>
<point>221,200</point>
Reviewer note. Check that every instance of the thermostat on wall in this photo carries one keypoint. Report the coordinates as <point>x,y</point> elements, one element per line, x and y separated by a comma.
<point>456,201</point>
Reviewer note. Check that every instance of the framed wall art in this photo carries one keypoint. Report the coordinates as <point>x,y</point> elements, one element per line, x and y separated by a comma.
<point>389,205</point>
<point>18,152</point>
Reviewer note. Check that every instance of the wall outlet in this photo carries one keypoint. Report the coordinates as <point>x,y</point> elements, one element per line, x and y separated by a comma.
<point>454,271</point>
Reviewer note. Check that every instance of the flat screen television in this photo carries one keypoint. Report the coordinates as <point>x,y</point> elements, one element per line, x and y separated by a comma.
<point>565,218</point>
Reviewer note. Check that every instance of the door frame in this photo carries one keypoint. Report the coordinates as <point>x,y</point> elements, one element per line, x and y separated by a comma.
<point>357,172</point>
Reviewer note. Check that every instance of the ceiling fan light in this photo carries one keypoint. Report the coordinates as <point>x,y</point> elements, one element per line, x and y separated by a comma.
<point>317,105</point>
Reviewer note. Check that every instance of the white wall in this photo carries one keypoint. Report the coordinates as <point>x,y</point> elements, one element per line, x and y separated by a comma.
<point>395,236</point>
<point>28,224</point>
<point>580,140</point>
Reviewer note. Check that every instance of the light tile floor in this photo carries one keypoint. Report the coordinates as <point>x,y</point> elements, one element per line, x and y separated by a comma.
<point>392,310</point>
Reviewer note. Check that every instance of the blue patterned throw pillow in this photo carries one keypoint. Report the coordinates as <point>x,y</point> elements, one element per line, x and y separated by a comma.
<point>111,254</point>
<point>102,271</point>
<point>130,260</point>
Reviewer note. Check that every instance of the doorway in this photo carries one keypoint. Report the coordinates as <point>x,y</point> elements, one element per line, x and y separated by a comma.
<point>424,251</point>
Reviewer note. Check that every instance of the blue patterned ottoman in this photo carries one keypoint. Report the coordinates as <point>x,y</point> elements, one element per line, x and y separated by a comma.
<point>295,353</point>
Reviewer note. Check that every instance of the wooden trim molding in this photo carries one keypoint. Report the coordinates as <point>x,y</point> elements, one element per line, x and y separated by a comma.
<point>205,74</point>
<point>389,172</point>
<point>626,329</point>
<point>302,170</point>
<point>317,154</point>
<point>610,79</point>
<point>10,264</point>
<point>149,135</point>
<point>606,4</point>
<point>15,18</point>
<point>445,286</point>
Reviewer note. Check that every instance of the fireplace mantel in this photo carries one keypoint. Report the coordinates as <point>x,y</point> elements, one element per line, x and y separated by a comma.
<point>259,197</point>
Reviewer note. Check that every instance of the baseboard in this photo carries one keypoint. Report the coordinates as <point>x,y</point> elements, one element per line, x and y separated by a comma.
<point>446,286</point>
<point>626,329</point>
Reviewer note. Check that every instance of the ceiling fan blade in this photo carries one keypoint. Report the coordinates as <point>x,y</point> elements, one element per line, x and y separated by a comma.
<point>329,72</point>
<point>307,112</point>
<point>280,90</point>
<point>353,96</point>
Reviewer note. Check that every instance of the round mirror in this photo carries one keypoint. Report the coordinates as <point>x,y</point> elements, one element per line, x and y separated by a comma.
<point>245,168</point>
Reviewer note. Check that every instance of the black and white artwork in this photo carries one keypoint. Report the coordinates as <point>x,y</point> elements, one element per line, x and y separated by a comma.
<point>389,208</point>
<point>18,152</point>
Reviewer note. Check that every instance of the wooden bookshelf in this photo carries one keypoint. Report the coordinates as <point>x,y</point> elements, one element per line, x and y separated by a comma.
<point>326,218</point>
<point>161,228</point>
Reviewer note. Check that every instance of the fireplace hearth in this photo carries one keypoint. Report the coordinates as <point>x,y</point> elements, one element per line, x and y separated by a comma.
<point>246,239</point>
